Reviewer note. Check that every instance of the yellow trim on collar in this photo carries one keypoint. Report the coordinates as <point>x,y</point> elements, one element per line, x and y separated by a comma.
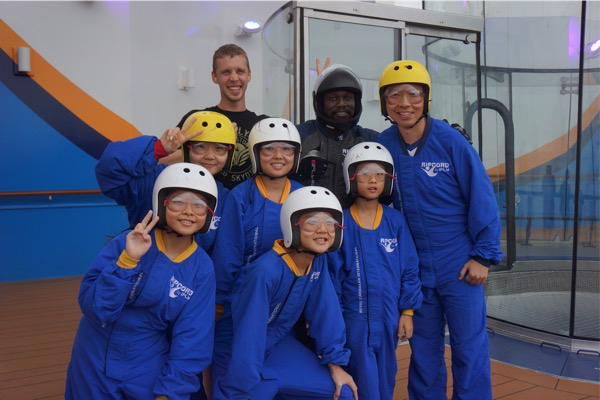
<point>160,243</point>
<point>378,216</point>
<point>263,190</point>
<point>278,247</point>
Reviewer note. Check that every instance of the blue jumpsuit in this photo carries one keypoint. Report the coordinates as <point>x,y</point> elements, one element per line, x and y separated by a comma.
<point>448,201</point>
<point>250,226</point>
<point>147,329</point>
<point>126,173</point>
<point>376,276</point>
<point>256,356</point>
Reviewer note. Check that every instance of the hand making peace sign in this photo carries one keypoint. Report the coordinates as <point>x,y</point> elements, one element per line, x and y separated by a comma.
<point>173,138</point>
<point>138,241</point>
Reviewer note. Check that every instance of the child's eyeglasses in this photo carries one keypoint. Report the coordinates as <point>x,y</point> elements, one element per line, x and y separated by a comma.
<point>178,205</point>
<point>269,150</point>
<point>413,95</point>
<point>201,148</point>
<point>312,224</point>
<point>366,177</point>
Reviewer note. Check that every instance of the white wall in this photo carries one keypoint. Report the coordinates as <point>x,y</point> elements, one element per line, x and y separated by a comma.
<point>126,54</point>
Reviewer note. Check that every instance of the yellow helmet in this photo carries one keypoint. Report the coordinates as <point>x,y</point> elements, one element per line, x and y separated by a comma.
<point>404,71</point>
<point>217,128</point>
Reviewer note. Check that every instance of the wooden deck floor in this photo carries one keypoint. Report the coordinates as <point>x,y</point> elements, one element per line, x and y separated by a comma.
<point>39,320</point>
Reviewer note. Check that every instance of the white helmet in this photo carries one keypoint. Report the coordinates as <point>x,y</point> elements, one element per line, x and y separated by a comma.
<point>302,201</point>
<point>368,152</point>
<point>184,176</point>
<point>271,130</point>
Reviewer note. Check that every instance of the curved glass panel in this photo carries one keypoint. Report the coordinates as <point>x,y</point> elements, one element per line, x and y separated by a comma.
<point>536,80</point>
<point>587,303</point>
<point>278,61</point>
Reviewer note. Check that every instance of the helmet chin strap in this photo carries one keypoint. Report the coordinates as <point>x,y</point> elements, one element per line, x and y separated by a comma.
<point>170,231</point>
<point>273,177</point>
<point>419,120</point>
<point>297,250</point>
<point>363,197</point>
<point>387,118</point>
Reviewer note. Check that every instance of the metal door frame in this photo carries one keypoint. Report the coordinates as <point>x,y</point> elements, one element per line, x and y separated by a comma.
<point>407,20</point>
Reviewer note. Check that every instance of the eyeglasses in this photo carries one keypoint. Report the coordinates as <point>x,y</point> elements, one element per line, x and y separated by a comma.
<point>178,204</point>
<point>310,225</point>
<point>200,148</point>
<point>269,150</point>
<point>412,94</point>
<point>365,177</point>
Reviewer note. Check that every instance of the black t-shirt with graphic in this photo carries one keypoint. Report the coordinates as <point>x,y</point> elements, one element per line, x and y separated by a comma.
<point>241,168</point>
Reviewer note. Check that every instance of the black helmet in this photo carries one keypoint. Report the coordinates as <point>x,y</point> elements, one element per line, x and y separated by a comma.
<point>337,77</point>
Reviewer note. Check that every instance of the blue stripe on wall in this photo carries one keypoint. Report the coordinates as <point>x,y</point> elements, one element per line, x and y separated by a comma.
<point>36,156</point>
<point>50,110</point>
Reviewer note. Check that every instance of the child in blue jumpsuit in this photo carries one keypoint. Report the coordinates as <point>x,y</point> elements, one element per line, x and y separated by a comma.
<point>376,273</point>
<point>251,211</point>
<point>256,356</point>
<point>148,300</point>
<point>443,190</point>
<point>127,170</point>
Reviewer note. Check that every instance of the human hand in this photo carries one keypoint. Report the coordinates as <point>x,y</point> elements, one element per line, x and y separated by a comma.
<point>405,327</point>
<point>341,378</point>
<point>476,274</point>
<point>173,138</point>
<point>161,398</point>
<point>327,62</point>
<point>138,241</point>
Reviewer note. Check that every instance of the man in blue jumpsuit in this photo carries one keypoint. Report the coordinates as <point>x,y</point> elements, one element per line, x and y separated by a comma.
<point>256,355</point>
<point>127,170</point>
<point>326,140</point>
<point>443,190</point>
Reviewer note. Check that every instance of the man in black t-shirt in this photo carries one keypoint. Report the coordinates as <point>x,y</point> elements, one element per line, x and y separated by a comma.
<point>231,71</point>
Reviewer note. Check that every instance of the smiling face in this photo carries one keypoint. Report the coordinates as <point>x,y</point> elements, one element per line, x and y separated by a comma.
<point>186,212</point>
<point>405,104</point>
<point>232,75</point>
<point>276,159</point>
<point>317,231</point>
<point>370,180</point>
<point>211,156</point>
<point>339,105</point>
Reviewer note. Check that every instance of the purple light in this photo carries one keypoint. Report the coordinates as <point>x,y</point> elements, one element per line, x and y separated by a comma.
<point>192,30</point>
<point>573,44</point>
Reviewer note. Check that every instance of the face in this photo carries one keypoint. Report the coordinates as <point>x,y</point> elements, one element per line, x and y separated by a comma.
<point>339,105</point>
<point>317,231</point>
<point>232,76</point>
<point>276,159</point>
<point>186,212</point>
<point>405,104</point>
<point>211,156</point>
<point>370,180</point>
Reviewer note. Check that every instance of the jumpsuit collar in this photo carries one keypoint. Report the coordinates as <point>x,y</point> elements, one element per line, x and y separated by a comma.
<point>378,216</point>
<point>422,140</point>
<point>160,243</point>
<point>279,249</point>
<point>263,190</point>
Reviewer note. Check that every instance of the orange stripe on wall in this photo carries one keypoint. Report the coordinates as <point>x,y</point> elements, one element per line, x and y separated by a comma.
<point>86,108</point>
<point>550,150</point>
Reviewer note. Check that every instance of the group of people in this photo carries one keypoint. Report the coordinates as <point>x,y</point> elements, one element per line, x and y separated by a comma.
<point>291,277</point>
